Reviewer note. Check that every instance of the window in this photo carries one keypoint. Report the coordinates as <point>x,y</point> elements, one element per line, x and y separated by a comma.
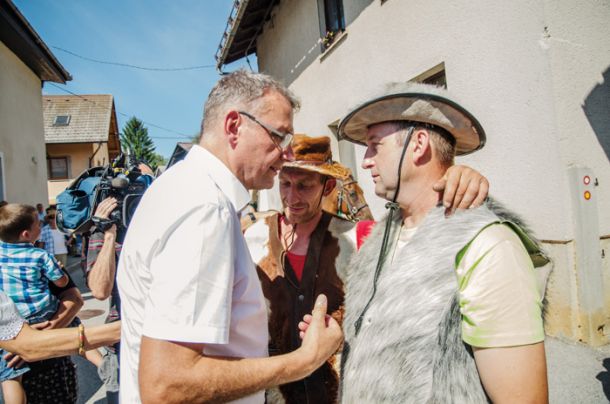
<point>332,21</point>
<point>58,168</point>
<point>62,120</point>
<point>435,76</point>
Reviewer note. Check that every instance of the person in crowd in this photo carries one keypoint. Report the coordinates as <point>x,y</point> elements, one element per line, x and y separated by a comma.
<point>59,241</point>
<point>40,211</point>
<point>194,323</point>
<point>24,275</point>
<point>437,307</point>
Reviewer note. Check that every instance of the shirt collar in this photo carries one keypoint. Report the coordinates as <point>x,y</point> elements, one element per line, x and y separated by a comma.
<point>226,181</point>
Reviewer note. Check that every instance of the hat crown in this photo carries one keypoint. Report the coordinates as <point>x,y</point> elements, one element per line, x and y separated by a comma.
<point>311,149</point>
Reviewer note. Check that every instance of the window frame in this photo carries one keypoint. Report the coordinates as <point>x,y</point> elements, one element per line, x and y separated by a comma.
<point>68,119</point>
<point>327,36</point>
<point>50,171</point>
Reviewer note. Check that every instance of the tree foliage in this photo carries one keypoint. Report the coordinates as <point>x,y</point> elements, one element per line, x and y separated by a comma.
<point>136,142</point>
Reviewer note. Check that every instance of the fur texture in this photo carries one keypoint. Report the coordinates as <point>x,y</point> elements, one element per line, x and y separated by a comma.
<point>409,349</point>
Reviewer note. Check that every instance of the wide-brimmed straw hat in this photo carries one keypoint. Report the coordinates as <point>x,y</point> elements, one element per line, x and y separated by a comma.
<point>314,154</point>
<point>419,103</point>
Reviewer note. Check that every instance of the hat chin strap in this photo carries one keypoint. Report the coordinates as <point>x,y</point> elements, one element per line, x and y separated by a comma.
<point>393,207</point>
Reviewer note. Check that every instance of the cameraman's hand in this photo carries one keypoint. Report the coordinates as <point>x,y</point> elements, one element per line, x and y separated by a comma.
<point>104,209</point>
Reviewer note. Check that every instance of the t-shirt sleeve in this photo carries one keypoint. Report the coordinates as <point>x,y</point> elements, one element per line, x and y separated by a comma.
<point>499,298</point>
<point>50,267</point>
<point>192,276</point>
<point>10,320</point>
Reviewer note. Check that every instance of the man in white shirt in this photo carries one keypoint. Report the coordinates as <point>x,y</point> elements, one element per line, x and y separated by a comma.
<point>194,321</point>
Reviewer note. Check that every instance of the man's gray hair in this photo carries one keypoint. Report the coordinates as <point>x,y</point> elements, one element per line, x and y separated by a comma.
<point>443,143</point>
<point>241,88</point>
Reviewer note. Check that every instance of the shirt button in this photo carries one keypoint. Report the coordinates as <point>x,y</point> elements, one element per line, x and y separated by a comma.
<point>301,298</point>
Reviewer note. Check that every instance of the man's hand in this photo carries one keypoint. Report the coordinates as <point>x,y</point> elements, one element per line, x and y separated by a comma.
<point>104,209</point>
<point>323,337</point>
<point>462,187</point>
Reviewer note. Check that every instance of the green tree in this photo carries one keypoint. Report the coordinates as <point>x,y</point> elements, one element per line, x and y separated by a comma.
<point>136,142</point>
<point>157,160</point>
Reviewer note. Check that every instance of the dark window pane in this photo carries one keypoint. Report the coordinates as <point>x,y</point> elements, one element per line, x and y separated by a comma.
<point>58,168</point>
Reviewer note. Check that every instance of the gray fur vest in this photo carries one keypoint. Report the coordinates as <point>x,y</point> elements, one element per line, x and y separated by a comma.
<point>409,348</point>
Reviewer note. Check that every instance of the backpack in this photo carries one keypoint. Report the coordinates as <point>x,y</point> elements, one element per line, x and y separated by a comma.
<point>75,204</point>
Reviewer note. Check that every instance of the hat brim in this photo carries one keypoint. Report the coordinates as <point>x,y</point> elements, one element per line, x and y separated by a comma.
<point>417,107</point>
<point>334,170</point>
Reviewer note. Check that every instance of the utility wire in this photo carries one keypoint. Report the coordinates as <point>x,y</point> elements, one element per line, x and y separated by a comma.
<point>154,69</point>
<point>180,135</point>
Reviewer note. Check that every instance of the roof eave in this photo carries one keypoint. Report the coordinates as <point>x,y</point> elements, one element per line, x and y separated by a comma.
<point>19,36</point>
<point>239,7</point>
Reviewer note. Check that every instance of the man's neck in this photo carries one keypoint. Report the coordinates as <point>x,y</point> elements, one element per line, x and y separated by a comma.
<point>302,233</point>
<point>419,198</point>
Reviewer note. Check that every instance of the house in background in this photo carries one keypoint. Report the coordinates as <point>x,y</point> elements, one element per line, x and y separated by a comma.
<point>535,73</point>
<point>180,152</point>
<point>80,132</point>
<point>25,64</point>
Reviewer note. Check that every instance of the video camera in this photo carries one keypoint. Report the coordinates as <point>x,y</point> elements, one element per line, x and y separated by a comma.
<point>122,179</point>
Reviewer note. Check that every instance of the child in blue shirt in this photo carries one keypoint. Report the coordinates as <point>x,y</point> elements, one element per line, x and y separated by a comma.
<point>25,272</point>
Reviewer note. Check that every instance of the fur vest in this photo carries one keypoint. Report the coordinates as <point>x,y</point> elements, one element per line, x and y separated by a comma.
<point>409,348</point>
<point>331,246</point>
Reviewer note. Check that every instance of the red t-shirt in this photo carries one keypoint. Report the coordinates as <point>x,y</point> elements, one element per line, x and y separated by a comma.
<point>297,262</point>
<point>363,229</point>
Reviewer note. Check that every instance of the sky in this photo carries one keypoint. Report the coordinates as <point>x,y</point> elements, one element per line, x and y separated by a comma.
<point>154,34</point>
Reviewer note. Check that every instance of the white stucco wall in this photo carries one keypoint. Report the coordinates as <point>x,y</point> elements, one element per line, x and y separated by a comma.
<point>525,88</point>
<point>21,131</point>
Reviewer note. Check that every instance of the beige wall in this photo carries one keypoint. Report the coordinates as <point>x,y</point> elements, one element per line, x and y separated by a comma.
<point>21,131</point>
<point>527,69</point>
<point>79,154</point>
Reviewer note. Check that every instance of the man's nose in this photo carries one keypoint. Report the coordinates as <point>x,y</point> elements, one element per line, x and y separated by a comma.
<point>367,162</point>
<point>288,154</point>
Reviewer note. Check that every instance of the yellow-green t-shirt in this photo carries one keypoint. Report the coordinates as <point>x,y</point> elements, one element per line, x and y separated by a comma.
<point>499,295</point>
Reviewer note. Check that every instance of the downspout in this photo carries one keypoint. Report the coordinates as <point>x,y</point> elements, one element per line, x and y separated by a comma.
<point>99,146</point>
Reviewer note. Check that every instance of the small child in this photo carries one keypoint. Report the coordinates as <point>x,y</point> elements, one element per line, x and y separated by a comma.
<point>25,272</point>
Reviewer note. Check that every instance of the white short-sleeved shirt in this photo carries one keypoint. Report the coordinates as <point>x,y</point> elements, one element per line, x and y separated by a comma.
<point>10,320</point>
<point>185,272</point>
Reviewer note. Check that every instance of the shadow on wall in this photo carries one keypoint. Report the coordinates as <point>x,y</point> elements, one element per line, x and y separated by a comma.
<point>597,110</point>
<point>604,378</point>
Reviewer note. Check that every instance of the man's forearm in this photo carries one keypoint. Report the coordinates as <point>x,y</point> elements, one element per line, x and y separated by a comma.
<point>101,276</point>
<point>33,345</point>
<point>215,379</point>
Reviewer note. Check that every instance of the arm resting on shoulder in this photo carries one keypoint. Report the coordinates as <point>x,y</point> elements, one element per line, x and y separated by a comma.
<point>513,374</point>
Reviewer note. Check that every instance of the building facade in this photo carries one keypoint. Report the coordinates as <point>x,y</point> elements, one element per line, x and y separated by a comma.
<point>25,64</point>
<point>535,73</point>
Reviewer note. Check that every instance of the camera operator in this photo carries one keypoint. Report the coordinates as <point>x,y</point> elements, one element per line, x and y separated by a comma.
<point>102,258</point>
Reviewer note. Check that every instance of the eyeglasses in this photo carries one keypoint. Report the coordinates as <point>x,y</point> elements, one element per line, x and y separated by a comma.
<point>280,140</point>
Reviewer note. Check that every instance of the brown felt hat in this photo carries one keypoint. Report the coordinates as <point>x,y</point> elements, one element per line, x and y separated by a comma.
<point>314,154</point>
<point>418,103</point>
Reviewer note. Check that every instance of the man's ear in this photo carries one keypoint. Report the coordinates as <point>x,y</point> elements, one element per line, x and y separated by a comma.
<point>330,185</point>
<point>232,122</point>
<point>422,149</point>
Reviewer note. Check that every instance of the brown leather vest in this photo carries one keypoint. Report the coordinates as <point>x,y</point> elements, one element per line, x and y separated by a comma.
<point>289,300</point>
